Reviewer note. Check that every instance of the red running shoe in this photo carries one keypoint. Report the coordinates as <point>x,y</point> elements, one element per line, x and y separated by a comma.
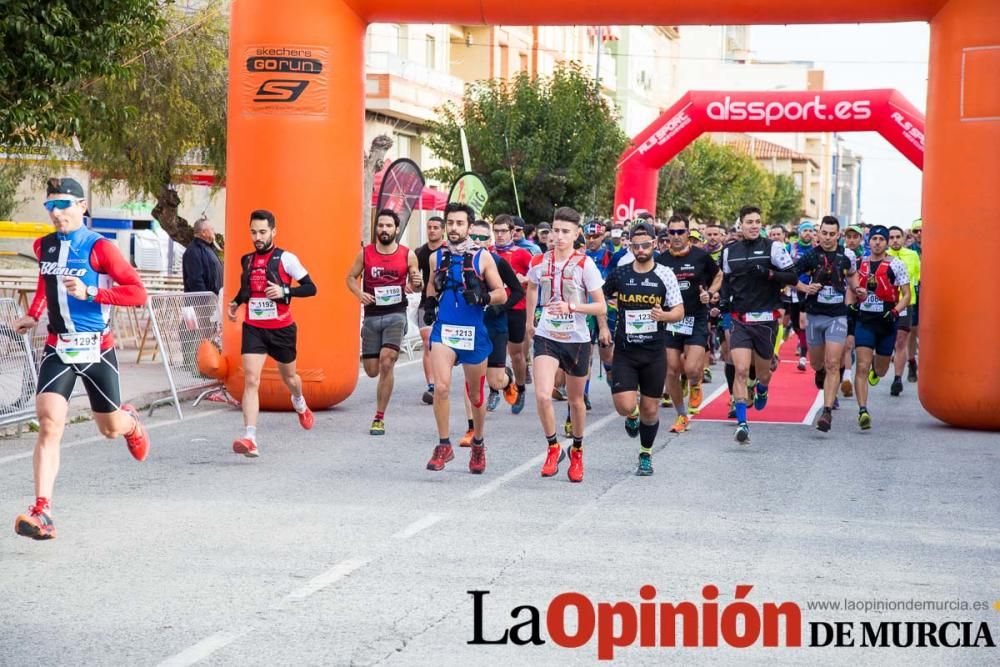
<point>246,447</point>
<point>306,419</point>
<point>442,454</point>
<point>575,471</point>
<point>138,440</point>
<point>36,524</point>
<point>554,456</point>
<point>477,462</point>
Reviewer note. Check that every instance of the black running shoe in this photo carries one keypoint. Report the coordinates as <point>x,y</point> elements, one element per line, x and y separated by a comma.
<point>825,421</point>
<point>897,387</point>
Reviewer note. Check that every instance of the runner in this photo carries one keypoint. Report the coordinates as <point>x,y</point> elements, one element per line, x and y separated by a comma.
<point>520,239</point>
<point>381,276</point>
<point>883,294</point>
<point>435,239</point>
<point>917,233</point>
<point>561,280</point>
<point>828,280</point>
<point>715,236</point>
<point>699,279</point>
<point>853,241</point>
<point>649,300</point>
<point>465,281</point>
<point>755,269</point>
<point>268,329</point>
<point>598,251</point>
<point>77,272</point>
<point>908,317</point>
<point>519,260</point>
<point>806,234</point>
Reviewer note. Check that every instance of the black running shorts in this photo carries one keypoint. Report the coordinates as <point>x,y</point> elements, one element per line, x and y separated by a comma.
<point>99,379</point>
<point>498,357</point>
<point>574,358</point>
<point>638,369</point>
<point>279,344</point>
<point>517,321</point>
<point>758,336</point>
<point>697,337</point>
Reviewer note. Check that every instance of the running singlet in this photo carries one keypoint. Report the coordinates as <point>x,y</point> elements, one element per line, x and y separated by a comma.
<point>637,293</point>
<point>452,307</point>
<point>97,262</point>
<point>570,281</point>
<point>385,276</point>
<point>694,269</point>
<point>262,311</point>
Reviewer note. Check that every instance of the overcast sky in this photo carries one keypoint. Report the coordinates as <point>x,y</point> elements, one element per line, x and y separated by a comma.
<point>887,55</point>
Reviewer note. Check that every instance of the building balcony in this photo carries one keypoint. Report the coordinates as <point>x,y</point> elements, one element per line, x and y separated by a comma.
<point>399,87</point>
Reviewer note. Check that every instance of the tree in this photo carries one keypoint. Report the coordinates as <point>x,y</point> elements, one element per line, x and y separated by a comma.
<point>50,51</point>
<point>12,172</point>
<point>786,201</point>
<point>560,136</point>
<point>170,112</point>
<point>710,182</point>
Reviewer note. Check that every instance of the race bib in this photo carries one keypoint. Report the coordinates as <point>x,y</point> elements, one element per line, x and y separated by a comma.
<point>388,296</point>
<point>79,348</point>
<point>639,322</point>
<point>683,328</point>
<point>458,337</point>
<point>828,295</point>
<point>873,304</point>
<point>262,309</point>
<point>559,325</point>
<point>762,316</point>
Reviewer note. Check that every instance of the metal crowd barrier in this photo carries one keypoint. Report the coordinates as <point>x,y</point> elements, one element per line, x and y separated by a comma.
<point>180,321</point>
<point>18,376</point>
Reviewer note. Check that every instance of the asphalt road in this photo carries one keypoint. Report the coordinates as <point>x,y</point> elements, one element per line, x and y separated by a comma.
<point>338,548</point>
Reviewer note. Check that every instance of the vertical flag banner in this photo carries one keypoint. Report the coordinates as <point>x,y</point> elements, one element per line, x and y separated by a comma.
<point>470,189</point>
<point>400,191</point>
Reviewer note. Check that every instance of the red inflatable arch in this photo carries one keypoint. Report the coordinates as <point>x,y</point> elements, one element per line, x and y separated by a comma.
<point>883,111</point>
<point>296,115</point>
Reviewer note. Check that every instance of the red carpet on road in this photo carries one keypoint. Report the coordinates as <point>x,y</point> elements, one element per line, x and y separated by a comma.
<point>791,397</point>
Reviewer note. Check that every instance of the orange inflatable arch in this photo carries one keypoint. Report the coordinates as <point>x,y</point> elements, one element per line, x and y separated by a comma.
<point>296,115</point>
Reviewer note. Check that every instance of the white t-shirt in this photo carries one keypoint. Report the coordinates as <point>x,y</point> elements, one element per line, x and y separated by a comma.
<point>571,280</point>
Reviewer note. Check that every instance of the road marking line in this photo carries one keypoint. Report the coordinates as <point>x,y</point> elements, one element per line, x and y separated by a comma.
<point>101,438</point>
<point>318,583</point>
<point>202,649</point>
<point>817,404</point>
<point>418,525</point>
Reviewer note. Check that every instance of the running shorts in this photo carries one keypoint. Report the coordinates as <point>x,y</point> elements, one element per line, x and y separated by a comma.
<point>903,322</point>
<point>877,335</point>
<point>100,379</point>
<point>379,331</point>
<point>517,320</point>
<point>697,337</point>
<point>498,356</point>
<point>638,369</point>
<point>758,336</point>
<point>279,344</point>
<point>821,329</point>
<point>914,314</point>
<point>574,358</point>
<point>480,352</point>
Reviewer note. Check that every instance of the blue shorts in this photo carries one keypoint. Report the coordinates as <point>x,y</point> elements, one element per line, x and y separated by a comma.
<point>726,322</point>
<point>876,335</point>
<point>482,347</point>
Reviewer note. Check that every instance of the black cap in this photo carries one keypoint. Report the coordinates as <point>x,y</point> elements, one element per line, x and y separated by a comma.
<point>543,226</point>
<point>643,228</point>
<point>517,221</point>
<point>64,186</point>
<point>879,230</point>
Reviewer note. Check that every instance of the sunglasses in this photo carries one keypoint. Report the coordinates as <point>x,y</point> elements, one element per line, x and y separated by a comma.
<point>646,245</point>
<point>677,232</point>
<point>479,237</point>
<point>60,204</point>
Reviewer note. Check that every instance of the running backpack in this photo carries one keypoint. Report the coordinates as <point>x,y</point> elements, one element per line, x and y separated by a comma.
<point>570,292</point>
<point>270,271</point>
<point>471,278</point>
<point>877,283</point>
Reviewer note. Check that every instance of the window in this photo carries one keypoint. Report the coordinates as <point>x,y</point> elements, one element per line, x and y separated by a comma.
<point>431,56</point>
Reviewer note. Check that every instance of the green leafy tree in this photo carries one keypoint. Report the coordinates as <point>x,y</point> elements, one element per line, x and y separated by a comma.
<point>170,112</point>
<point>51,50</point>
<point>786,201</point>
<point>710,182</point>
<point>12,172</point>
<point>557,133</point>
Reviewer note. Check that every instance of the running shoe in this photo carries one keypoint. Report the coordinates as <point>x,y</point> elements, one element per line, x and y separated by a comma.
<point>428,397</point>
<point>825,421</point>
<point>36,524</point>
<point>442,454</point>
<point>897,387</point>
<point>306,419</point>
<point>510,392</point>
<point>732,408</point>
<point>864,420</point>
<point>518,404</point>
<point>802,364</point>
<point>377,428</point>
<point>553,458</point>
<point>706,376</point>
<point>695,399</point>
<point>491,402</point>
<point>645,467</point>
<point>477,461</point>
<point>138,440</point>
<point>558,394</point>
<point>820,378</point>
<point>632,425</point>
<point>759,398</point>
<point>680,424</point>
<point>568,427</point>
<point>847,389</point>
<point>743,434</point>
<point>911,374</point>
<point>873,379</point>
<point>586,402</point>
<point>666,401</point>
<point>575,470</point>
<point>466,440</point>
<point>246,447</point>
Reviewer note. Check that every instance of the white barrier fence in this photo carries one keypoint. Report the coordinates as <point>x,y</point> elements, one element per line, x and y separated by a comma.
<point>18,376</point>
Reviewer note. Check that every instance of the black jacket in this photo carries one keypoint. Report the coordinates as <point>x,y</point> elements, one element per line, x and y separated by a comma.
<point>202,268</point>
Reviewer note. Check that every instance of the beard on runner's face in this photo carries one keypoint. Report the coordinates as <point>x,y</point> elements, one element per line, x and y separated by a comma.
<point>385,238</point>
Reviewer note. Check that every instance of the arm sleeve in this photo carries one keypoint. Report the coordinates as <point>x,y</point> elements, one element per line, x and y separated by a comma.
<point>509,278</point>
<point>306,287</point>
<point>39,303</point>
<point>128,290</point>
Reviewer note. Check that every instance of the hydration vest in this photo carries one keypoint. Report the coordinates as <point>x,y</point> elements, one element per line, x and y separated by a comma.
<point>270,271</point>
<point>569,291</point>
<point>471,279</point>
<point>884,290</point>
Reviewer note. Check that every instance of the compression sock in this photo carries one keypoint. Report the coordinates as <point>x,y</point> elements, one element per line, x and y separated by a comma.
<point>741,411</point>
<point>730,376</point>
<point>647,434</point>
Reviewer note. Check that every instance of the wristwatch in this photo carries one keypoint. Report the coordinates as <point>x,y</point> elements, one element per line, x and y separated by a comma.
<point>572,308</point>
<point>91,292</point>
<point>287,291</point>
